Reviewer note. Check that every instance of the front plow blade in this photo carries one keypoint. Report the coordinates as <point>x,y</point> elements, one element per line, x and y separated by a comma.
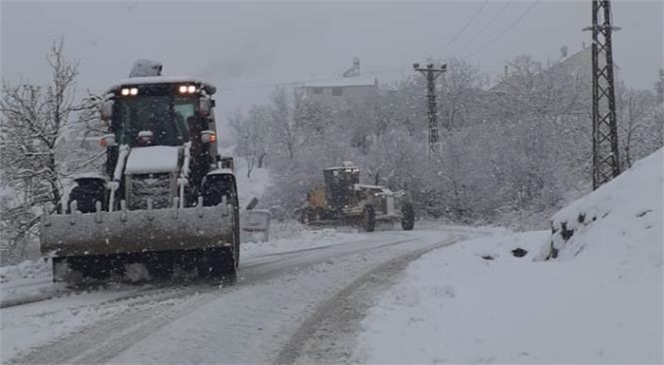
<point>136,231</point>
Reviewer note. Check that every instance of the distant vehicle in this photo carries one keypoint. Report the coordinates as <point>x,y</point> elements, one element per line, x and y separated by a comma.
<point>167,199</point>
<point>342,199</point>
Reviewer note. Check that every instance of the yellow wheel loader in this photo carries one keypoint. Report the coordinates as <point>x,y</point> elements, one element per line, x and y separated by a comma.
<point>166,198</point>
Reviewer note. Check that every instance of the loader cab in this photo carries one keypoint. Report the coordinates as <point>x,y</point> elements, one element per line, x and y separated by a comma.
<point>162,111</point>
<point>172,111</point>
<point>339,182</point>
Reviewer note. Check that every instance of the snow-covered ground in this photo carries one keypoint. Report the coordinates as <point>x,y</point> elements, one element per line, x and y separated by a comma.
<point>32,279</point>
<point>499,296</point>
<point>280,289</point>
<point>599,301</point>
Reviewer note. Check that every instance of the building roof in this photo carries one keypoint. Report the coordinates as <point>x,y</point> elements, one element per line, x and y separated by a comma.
<point>579,64</point>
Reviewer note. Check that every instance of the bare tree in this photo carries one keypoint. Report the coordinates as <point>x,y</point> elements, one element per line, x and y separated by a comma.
<point>252,135</point>
<point>286,126</point>
<point>35,119</point>
<point>638,125</point>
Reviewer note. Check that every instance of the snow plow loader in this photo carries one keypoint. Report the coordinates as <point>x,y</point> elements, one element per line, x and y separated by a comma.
<point>342,199</point>
<point>166,199</point>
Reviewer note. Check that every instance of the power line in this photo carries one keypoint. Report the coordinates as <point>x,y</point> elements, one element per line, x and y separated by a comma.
<point>403,70</point>
<point>463,29</point>
<point>303,82</point>
<point>488,24</point>
<point>501,34</point>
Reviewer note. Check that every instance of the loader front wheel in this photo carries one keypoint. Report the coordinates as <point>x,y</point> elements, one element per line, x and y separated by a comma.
<point>369,218</point>
<point>62,272</point>
<point>408,219</point>
<point>220,263</point>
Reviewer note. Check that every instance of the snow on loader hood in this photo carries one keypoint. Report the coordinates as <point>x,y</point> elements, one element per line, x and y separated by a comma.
<point>152,159</point>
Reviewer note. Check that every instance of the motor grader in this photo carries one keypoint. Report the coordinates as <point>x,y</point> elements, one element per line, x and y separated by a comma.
<point>166,199</point>
<point>343,200</point>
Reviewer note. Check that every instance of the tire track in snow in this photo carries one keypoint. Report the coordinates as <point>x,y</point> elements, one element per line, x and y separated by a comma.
<point>327,336</point>
<point>130,320</point>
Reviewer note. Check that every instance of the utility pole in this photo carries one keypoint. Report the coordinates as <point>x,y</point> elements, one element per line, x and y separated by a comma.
<point>605,131</point>
<point>432,74</point>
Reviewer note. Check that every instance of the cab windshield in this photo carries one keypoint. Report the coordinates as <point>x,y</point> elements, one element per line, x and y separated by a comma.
<point>162,113</point>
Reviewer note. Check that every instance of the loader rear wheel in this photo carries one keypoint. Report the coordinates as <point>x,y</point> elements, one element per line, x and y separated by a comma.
<point>369,218</point>
<point>408,219</point>
<point>87,193</point>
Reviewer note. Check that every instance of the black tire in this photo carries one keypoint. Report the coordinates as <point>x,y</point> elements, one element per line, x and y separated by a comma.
<point>161,265</point>
<point>408,219</point>
<point>87,193</point>
<point>83,269</point>
<point>312,215</point>
<point>302,216</point>
<point>216,188</point>
<point>220,263</point>
<point>236,239</point>
<point>369,218</point>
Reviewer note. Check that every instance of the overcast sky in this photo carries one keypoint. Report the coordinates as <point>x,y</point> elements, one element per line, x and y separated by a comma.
<point>241,45</point>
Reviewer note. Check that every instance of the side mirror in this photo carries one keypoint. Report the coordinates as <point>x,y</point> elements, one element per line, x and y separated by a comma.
<point>108,140</point>
<point>227,163</point>
<point>107,110</point>
<point>208,136</point>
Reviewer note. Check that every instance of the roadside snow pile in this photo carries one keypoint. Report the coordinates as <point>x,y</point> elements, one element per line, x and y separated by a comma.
<point>30,269</point>
<point>599,302</point>
<point>626,213</point>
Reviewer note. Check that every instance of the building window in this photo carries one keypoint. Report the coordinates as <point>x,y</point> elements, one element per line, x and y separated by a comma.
<point>337,91</point>
<point>318,90</point>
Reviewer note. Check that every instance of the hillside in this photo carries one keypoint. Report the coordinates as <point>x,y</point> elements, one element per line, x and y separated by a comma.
<point>591,291</point>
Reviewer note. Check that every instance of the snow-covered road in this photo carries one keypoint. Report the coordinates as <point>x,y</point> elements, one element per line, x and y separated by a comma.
<point>295,305</point>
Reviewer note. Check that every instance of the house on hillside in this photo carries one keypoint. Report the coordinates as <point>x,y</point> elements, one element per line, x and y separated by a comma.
<point>355,87</point>
<point>565,86</point>
<point>578,65</point>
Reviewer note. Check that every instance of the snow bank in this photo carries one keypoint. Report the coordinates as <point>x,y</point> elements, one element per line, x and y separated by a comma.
<point>29,269</point>
<point>624,213</point>
<point>600,302</point>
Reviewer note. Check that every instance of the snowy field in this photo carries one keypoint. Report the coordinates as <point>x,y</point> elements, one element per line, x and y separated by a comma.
<point>600,301</point>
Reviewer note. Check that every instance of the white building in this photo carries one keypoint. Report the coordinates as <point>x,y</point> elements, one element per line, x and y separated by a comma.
<point>356,87</point>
